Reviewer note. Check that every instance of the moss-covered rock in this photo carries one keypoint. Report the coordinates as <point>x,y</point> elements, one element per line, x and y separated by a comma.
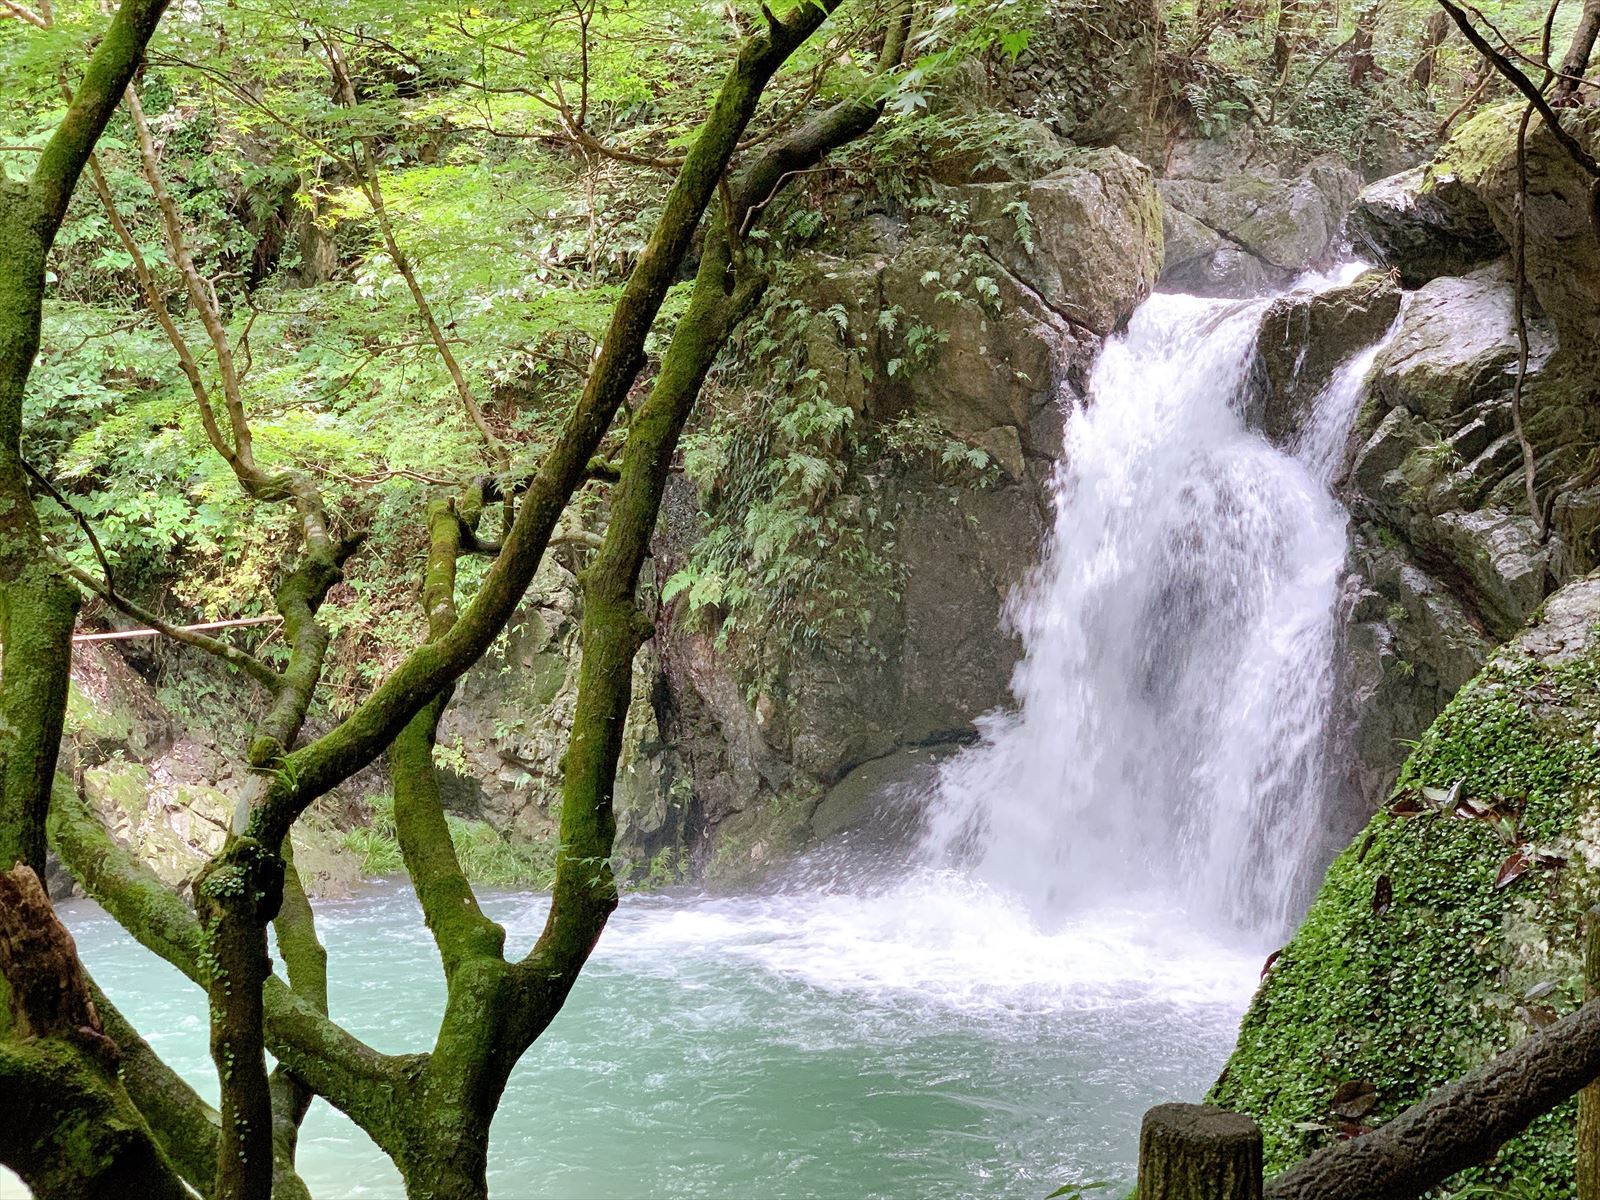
<point>1460,210</point>
<point>111,710</point>
<point>1563,256</point>
<point>1448,555</point>
<point>1448,929</point>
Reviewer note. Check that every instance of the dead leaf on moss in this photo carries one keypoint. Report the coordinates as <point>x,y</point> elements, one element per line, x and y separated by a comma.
<point>1513,869</point>
<point>1382,896</point>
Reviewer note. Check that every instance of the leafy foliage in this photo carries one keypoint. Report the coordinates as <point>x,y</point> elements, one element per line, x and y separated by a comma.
<point>1364,80</point>
<point>794,556</point>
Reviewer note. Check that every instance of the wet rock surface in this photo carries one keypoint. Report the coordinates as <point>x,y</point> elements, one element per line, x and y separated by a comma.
<point>1424,224</point>
<point>1238,227</point>
<point>1068,256</point>
<point>1305,339</point>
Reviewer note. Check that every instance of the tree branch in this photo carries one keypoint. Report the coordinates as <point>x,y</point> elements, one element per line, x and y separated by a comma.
<point>459,927</point>
<point>366,733</point>
<point>1459,1125</point>
<point>23,13</point>
<point>233,655</point>
<point>1523,84</point>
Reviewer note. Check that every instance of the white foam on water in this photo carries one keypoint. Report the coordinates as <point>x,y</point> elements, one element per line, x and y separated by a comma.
<point>942,940</point>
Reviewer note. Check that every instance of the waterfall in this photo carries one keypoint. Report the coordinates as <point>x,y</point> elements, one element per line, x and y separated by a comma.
<point>1169,736</point>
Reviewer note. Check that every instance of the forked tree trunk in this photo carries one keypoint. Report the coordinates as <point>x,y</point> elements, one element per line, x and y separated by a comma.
<point>450,1166</point>
<point>66,1125</point>
<point>1435,33</point>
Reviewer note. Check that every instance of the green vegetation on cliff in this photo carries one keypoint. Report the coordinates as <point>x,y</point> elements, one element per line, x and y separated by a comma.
<point>1451,926</point>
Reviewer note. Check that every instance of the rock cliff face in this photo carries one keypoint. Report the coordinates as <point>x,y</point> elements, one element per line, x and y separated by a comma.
<point>504,733</point>
<point>1464,892</point>
<point>1448,558</point>
<point>168,791</point>
<point>739,766</point>
<point>767,775</point>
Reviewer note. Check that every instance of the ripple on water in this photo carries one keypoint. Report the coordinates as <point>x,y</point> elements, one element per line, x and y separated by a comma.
<point>918,1038</point>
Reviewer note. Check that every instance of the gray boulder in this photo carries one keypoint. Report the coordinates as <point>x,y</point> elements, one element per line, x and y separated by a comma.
<point>1457,347</point>
<point>1085,238</point>
<point>1235,227</point>
<point>1424,223</point>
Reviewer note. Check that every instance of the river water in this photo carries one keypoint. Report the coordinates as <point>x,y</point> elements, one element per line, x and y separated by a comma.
<point>1073,939</point>
<point>922,1041</point>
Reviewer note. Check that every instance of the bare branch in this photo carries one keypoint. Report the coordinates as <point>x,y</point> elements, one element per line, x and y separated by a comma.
<point>73,511</point>
<point>24,13</point>
<point>245,661</point>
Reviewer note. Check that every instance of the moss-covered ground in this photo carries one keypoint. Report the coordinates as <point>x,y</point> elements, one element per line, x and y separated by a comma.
<point>1445,932</point>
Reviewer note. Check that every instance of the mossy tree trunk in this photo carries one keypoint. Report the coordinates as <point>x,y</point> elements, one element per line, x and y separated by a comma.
<point>67,1123</point>
<point>432,1112</point>
<point>1579,52</point>
<point>67,1126</point>
<point>1196,1152</point>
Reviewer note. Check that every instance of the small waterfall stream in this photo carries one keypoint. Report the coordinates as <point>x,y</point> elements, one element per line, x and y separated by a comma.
<point>1097,884</point>
<point>1169,739</point>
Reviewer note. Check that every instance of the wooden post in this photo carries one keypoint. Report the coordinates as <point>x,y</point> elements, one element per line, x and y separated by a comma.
<point>1196,1152</point>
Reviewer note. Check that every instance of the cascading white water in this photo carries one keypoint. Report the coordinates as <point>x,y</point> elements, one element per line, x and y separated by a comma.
<point>1168,741</point>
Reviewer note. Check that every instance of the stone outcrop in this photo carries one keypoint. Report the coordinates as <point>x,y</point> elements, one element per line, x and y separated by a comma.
<point>1447,559</point>
<point>1424,223</point>
<point>1237,227</point>
<point>1305,339</point>
<point>1088,72</point>
<point>1465,892</point>
<point>168,791</point>
<point>1064,260</point>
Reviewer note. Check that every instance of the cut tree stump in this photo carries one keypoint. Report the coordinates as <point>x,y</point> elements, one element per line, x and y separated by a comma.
<point>1197,1152</point>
